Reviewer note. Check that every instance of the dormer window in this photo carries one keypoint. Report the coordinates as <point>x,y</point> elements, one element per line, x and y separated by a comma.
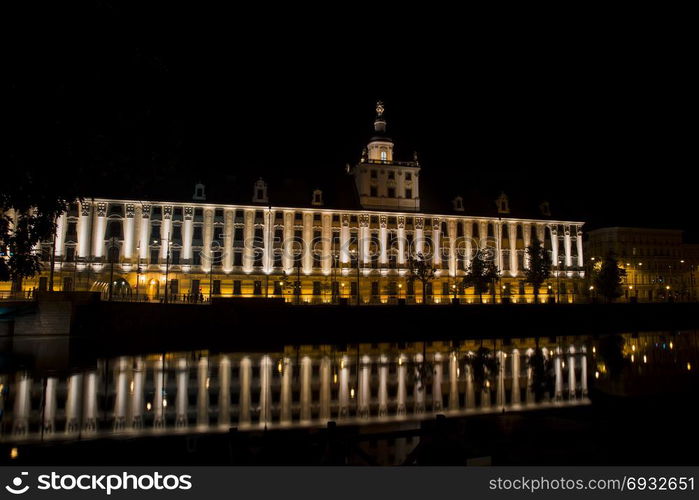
<point>384,156</point>
<point>199,193</point>
<point>545,209</point>
<point>391,175</point>
<point>373,174</point>
<point>260,192</point>
<point>458,204</point>
<point>503,204</point>
<point>317,198</point>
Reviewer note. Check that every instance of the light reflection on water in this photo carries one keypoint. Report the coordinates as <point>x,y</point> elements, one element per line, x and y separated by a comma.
<point>206,391</point>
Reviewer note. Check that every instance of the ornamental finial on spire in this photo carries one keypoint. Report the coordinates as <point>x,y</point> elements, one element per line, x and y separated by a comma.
<point>379,110</point>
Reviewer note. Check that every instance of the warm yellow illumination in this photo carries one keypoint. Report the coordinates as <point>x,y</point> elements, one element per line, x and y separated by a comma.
<point>667,287</point>
<point>334,378</point>
<point>594,350</point>
<point>671,345</point>
<point>632,358</point>
<point>596,374</point>
<point>352,393</point>
<point>487,383</point>
<point>645,359</point>
<point>633,347</point>
<point>592,287</point>
<point>630,287</point>
<point>208,382</point>
<point>689,366</point>
<point>148,406</point>
<point>131,387</point>
<point>14,453</point>
<point>280,366</point>
<point>164,403</point>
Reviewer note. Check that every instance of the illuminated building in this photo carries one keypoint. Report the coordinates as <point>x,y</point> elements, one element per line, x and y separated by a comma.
<point>199,249</point>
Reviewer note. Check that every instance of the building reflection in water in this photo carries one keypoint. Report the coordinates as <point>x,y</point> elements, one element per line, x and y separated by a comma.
<point>310,385</point>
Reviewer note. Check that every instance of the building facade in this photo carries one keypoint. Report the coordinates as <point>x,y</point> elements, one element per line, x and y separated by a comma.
<point>194,250</point>
<point>659,265</point>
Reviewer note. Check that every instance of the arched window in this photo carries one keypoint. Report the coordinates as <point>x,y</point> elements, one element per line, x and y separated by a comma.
<point>383,156</point>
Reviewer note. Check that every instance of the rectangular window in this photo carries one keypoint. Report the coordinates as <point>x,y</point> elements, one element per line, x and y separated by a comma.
<point>316,288</point>
<point>373,191</point>
<point>174,287</point>
<point>196,236</point>
<point>408,193</point>
<point>408,176</point>
<point>175,258</point>
<point>154,254</point>
<point>217,287</point>
<point>237,288</point>
<point>391,192</point>
<point>373,174</point>
<point>257,288</point>
<point>70,254</point>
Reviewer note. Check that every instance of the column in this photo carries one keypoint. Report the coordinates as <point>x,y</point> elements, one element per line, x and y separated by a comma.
<point>468,243</point>
<point>497,225</point>
<point>248,241</point>
<point>401,241</point>
<point>165,232</point>
<point>224,391</point>
<point>483,233</point>
<point>470,392</point>
<point>437,383</point>
<point>187,234</point>
<point>451,228</point>
<point>571,373</point>
<point>419,388</point>
<point>541,233</point>
<point>121,390</point>
<point>515,398</point>
<point>285,397</point>
<point>203,392</point>
<point>90,402</point>
<point>345,241</point>
<point>49,423</point>
<point>228,225</point>
<point>531,399</point>
<point>579,244</point>
<point>22,407</point>
<point>512,236</point>
<point>436,243</point>
<point>245,376</point>
<point>268,235</point>
<point>265,391</point>
<point>307,259</point>
<point>84,230</point>
<point>159,399</point>
<point>500,388</point>
<point>383,385</point>
<point>326,259</point>
<point>288,245</point>
<point>527,239</point>
<point>583,371</point>
<point>343,390</point>
<point>567,244</point>
<point>129,232</point>
<point>453,382</point>
<point>383,241</point>
<point>554,244</point>
<point>364,241</point>
<point>419,235</point>
<point>559,373</point>
<point>325,377</point>
<point>144,227</point>
<point>61,227</point>
<point>139,376</point>
<point>485,391</point>
<point>73,400</point>
<point>306,391</point>
<point>364,389</point>
<point>182,395</point>
<point>401,396</point>
<point>100,225</point>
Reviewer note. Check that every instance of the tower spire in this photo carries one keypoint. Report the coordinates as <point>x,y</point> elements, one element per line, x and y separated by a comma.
<point>380,122</point>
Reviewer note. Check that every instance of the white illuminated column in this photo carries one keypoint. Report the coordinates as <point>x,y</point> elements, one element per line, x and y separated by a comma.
<point>437,383</point>
<point>558,395</point>
<point>248,244</point>
<point>401,241</point>
<point>265,391</point>
<point>567,245</point>
<point>182,396</point>
<point>325,378</point>
<point>497,227</point>
<point>84,230</point>
<point>139,376</point>
<point>73,400</point>
<point>285,397</point>
<point>228,222</point>
<point>451,227</point>
<point>121,397</point>
<point>436,243</point>
<point>224,391</point>
<point>470,392</point>
<point>527,238</point>
<point>307,258</point>
<point>571,373</point>
<point>483,233</point>
<point>327,236</point>
<point>159,400</point>
<point>187,234</point>
<point>165,232</point>
<point>49,423</point>
<point>468,243</point>
<point>61,227</point>
<point>500,381</point>
<point>343,390</point>
<point>245,375</point>
<point>579,244</point>
<point>515,399</point>
<point>345,240</point>
<point>453,382</point>
<point>90,402</point>
<point>419,235</point>
<point>554,244</point>
<point>203,392</point>
<point>129,233</point>
<point>383,241</point>
<point>364,241</point>
<point>401,396</point>
<point>207,240</point>
<point>100,225</point>
<point>306,394</point>
<point>383,385</point>
<point>419,388</point>
<point>22,407</point>
<point>583,372</point>
<point>531,399</point>
<point>512,236</point>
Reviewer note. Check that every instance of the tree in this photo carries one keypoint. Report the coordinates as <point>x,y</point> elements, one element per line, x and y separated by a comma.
<point>542,373</point>
<point>420,270</point>
<point>609,279</point>
<point>484,365</point>
<point>481,272</point>
<point>539,269</point>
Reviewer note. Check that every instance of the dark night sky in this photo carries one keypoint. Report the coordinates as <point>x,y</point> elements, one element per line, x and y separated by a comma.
<point>595,123</point>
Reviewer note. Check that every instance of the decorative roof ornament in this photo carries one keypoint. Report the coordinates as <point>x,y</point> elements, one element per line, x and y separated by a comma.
<point>379,110</point>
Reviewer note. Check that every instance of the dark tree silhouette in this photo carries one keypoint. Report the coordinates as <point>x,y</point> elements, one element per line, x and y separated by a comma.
<point>481,273</point>
<point>484,366</point>
<point>542,373</point>
<point>609,278</point>
<point>420,270</point>
<point>539,269</point>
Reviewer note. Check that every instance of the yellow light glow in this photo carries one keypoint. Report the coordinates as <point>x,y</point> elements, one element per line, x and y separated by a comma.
<point>280,366</point>
<point>14,453</point>
<point>632,358</point>
<point>671,345</point>
<point>487,383</point>
<point>592,288</point>
<point>645,359</point>
<point>164,403</point>
<point>633,348</point>
<point>208,382</point>
<point>148,406</point>
<point>594,350</point>
<point>596,374</point>
<point>334,378</point>
<point>352,393</point>
<point>689,366</point>
<point>131,387</point>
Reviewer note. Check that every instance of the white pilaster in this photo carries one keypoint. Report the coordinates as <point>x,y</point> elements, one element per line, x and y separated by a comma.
<point>49,423</point>
<point>159,397</point>
<point>437,402</point>
<point>571,373</point>
<point>265,391</point>
<point>515,398</point>
<point>129,232</point>
<point>84,222</point>
<point>402,391</point>
<point>245,376</point>
<point>325,380</point>
<point>182,396</point>
<point>306,390</point>
<point>138,381</point>
<point>364,389</point>
<point>224,391</point>
<point>203,392</point>
<point>383,386</point>
<point>248,244</point>
<point>307,259</point>
<point>73,401</point>
<point>228,229</point>
<point>453,382</point>
<point>121,397</point>
<point>512,236</point>
<point>285,396</point>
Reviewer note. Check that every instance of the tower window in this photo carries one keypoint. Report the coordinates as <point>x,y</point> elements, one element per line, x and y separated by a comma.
<point>409,193</point>
<point>391,175</point>
<point>383,156</point>
<point>391,192</point>
<point>408,176</point>
<point>373,174</point>
<point>373,191</point>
